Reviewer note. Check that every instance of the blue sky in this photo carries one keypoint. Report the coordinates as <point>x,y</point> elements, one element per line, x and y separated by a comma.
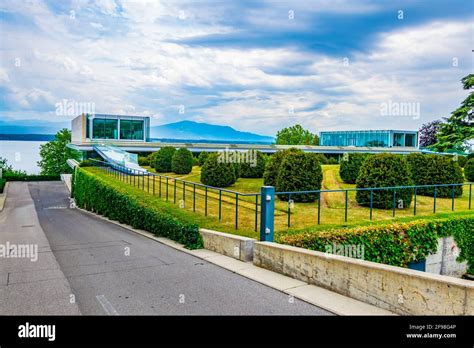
<point>255,65</point>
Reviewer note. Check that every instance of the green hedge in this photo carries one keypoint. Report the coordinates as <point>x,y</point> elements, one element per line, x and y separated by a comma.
<point>384,170</point>
<point>299,171</point>
<point>26,177</point>
<point>94,194</point>
<point>182,161</point>
<point>88,163</point>
<point>254,169</point>
<point>394,244</point>
<point>433,170</point>
<point>3,182</point>
<point>469,170</point>
<point>164,158</point>
<point>350,166</point>
<point>202,158</point>
<point>215,172</point>
<point>272,166</point>
<point>143,161</point>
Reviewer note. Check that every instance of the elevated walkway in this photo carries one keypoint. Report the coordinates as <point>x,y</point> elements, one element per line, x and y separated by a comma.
<point>118,159</point>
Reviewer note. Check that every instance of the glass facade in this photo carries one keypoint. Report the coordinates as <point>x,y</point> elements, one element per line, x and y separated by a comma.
<point>355,138</point>
<point>369,138</point>
<point>104,128</point>
<point>131,129</point>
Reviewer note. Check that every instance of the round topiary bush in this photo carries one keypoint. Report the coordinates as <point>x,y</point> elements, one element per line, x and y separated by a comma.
<point>273,165</point>
<point>350,166</point>
<point>253,166</point>
<point>462,160</point>
<point>202,158</point>
<point>143,161</point>
<point>434,170</point>
<point>384,170</point>
<point>182,161</point>
<point>469,170</point>
<point>152,159</point>
<point>299,172</point>
<point>163,159</point>
<point>216,172</point>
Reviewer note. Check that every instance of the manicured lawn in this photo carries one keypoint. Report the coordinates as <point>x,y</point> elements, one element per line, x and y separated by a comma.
<point>192,198</point>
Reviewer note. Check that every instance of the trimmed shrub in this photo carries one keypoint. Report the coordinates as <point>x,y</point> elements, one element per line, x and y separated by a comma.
<point>299,172</point>
<point>182,161</point>
<point>217,173</point>
<point>27,177</point>
<point>394,244</point>
<point>202,158</point>
<point>195,161</point>
<point>384,170</point>
<point>254,167</point>
<point>350,166</point>
<point>273,165</point>
<point>3,182</point>
<point>94,194</point>
<point>433,170</point>
<point>164,158</point>
<point>152,159</point>
<point>462,160</point>
<point>88,163</point>
<point>469,170</point>
<point>143,161</point>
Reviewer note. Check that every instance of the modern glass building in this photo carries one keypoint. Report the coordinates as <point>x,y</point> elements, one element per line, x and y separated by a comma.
<point>101,127</point>
<point>370,138</point>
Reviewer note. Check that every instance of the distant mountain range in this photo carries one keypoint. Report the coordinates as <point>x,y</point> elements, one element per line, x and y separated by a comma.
<point>182,130</point>
<point>190,130</point>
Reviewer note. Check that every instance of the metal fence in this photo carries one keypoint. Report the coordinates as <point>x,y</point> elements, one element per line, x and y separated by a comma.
<point>226,205</point>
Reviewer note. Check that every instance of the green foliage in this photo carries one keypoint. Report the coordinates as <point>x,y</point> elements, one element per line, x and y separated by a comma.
<point>4,166</point>
<point>253,168</point>
<point>25,177</point>
<point>87,163</point>
<point>164,158</point>
<point>94,194</point>
<point>143,161</point>
<point>216,172</point>
<point>433,170</point>
<point>203,157</point>
<point>55,153</point>
<point>462,160</point>
<point>384,170</point>
<point>182,161</point>
<point>3,182</point>
<point>152,159</point>
<point>273,166</point>
<point>394,244</point>
<point>350,166</point>
<point>299,172</point>
<point>458,129</point>
<point>296,135</point>
<point>195,161</point>
<point>469,170</point>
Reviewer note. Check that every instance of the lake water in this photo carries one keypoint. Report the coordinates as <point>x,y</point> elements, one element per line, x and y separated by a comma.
<point>22,155</point>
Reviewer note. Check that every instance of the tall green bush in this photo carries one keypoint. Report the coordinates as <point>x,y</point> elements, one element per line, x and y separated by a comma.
<point>164,158</point>
<point>216,172</point>
<point>350,166</point>
<point>273,165</point>
<point>95,194</point>
<point>202,158</point>
<point>182,161</point>
<point>299,172</point>
<point>152,159</point>
<point>254,166</point>
<point>384,170</point>
<point>469,170</point>
<point>434,170</point>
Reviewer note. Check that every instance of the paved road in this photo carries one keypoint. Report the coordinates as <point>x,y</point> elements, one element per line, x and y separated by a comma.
<point>111,270</point>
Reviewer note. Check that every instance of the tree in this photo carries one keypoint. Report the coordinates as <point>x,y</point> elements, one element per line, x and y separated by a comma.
<point>458,130</point>
<point>55,153</point>
<point>217,173</point>
<point>163,159</point>
<point>427,133</point>
<point>296,135</point>
<point>182,161</point>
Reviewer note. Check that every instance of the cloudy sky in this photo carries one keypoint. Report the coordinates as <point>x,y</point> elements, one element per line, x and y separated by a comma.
<point>255,65</point>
